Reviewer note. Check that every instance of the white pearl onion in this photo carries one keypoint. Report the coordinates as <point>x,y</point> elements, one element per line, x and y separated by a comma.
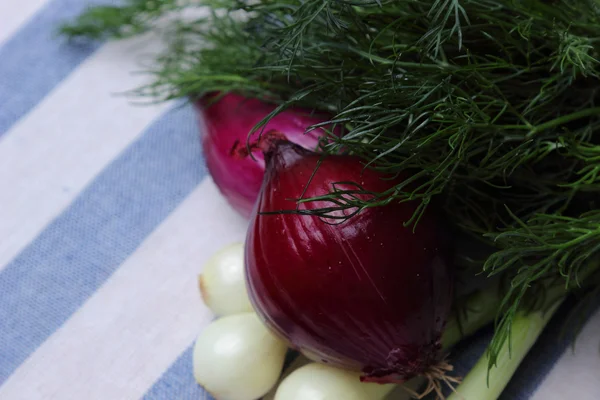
<point>316,381</point>
<point>223,283</point>
<point>237,358</point>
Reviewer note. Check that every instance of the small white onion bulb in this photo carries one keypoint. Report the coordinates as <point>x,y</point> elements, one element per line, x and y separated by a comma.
<point>321,382</point>
<point>237,358</point>
<point>298,362</point>
<point>223,283</point>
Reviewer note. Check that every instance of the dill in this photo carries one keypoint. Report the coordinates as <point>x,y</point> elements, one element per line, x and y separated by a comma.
<point>493,105</point>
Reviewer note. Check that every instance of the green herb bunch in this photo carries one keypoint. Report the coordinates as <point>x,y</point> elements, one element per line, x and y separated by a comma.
<point>494,105</point>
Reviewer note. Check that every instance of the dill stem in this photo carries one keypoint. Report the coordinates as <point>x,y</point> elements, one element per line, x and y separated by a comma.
<point>589,112</point>
<point>403,64</point>
<point>507,127</point>
<point>579,239</point>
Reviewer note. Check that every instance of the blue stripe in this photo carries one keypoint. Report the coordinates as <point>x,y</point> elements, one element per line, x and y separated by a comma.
<point>26,77</point>
<point>79,251</point>
<point>178,382</point>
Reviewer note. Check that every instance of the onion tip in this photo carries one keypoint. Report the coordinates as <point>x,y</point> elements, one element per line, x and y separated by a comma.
<point>202,289</point>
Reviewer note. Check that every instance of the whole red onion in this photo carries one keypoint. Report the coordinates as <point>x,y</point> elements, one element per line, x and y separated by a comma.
<point>227,123</point>
<point>366,294</point>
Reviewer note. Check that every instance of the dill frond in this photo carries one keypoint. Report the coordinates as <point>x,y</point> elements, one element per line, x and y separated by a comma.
<point>492,105</point>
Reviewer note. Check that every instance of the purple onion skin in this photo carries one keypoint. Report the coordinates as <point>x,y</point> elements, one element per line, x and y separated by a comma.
<point>368,294</point>
<point>226,124</point>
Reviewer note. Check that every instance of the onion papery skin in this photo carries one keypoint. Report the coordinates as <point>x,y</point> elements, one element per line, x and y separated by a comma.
<point>226,123</point>
<point>367,294</point>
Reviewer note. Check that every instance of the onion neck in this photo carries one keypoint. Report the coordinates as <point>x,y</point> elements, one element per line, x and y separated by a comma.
<point>280,152</point>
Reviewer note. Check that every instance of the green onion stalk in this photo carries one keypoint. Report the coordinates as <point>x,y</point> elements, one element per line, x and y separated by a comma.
<point>476,311</point>
<point>488,377</point>
<point>473,313</point>
<point>483,384</point>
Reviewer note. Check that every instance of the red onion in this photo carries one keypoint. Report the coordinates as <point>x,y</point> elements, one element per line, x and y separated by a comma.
<point>228,121</point>
<point>366,294</point>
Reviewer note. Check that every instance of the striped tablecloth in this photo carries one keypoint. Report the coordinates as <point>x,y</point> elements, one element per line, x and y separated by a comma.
<point>106,217</point>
